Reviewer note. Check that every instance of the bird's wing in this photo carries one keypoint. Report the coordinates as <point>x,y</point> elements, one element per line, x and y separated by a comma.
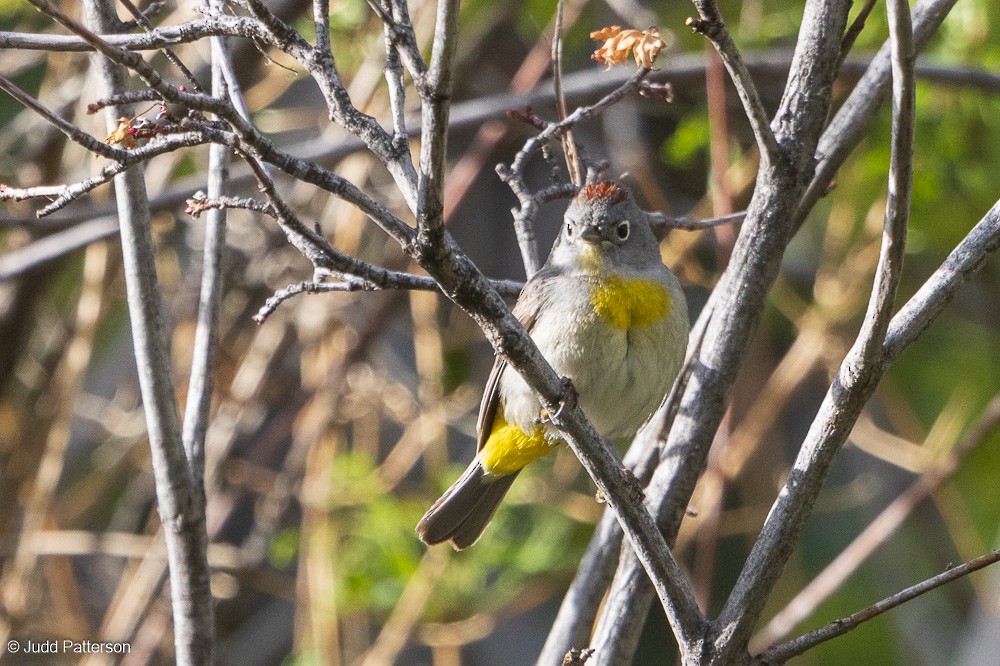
<point>526,310</point>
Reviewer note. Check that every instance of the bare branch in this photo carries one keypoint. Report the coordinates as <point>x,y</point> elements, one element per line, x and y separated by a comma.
<point>963,262</point>
<point>569,146</point>
<point>782,653</point>
<point>321,22</point>
<point>854,116</point>
<point>664,222</point>
<point>141,20</point>
<point>179,502</point>
<point>220,25</point>
<point>856,27</point>
<point>126,98</point>
<point>435,93</point>
<point>713,27</point>
<point>396,19</point>
<point>66,194</point>
<point>394,81</point>
<point>306,287</point>
<point>272,24</point>
<point>860,370</point>
<point>199,203</point>
<point>202,379</point>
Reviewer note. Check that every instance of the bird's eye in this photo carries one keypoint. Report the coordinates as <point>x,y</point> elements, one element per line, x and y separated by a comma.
<point>569,230</point>
<point>622,229</point>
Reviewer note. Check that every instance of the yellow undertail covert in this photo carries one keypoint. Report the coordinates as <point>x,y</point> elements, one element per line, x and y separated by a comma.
<point>630,303</point>
<point>624,304</point>
<point>509,448</point>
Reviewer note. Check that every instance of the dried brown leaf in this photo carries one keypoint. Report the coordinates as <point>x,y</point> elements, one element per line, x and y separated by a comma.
<point>644,45</point>
<point>123,134</point>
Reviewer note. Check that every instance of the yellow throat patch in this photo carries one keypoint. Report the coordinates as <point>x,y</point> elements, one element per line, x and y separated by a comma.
<point>630,303</point>
<point>509,448</point>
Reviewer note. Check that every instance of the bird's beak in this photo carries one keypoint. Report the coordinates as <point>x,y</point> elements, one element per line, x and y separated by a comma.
<point>591,234</point>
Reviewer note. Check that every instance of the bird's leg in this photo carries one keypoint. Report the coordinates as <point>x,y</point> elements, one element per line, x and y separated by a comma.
<point>568,402</point>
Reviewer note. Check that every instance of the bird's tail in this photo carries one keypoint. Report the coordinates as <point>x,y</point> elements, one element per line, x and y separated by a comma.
<point>465,509</point>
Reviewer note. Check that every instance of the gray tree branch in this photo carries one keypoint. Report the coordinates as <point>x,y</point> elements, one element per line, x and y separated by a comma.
<point>181,512</point>
<point>206,340</point>
<point>859,373</point>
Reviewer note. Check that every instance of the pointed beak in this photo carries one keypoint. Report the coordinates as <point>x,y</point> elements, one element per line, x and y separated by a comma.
<point>591,234</point>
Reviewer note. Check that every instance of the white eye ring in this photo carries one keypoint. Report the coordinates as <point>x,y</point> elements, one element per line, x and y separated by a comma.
<point>622,230</point>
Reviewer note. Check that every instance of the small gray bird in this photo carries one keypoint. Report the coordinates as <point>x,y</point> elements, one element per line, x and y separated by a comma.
<point>607,314</point>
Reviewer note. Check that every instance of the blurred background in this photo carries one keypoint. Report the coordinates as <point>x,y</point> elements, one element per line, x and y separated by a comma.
<point>343,416</point>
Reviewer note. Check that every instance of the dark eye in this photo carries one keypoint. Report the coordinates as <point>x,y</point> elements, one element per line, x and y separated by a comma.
<point>569,230</point>
<point>621,230</point>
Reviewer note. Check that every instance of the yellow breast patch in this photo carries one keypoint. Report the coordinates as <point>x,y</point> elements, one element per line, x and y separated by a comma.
<point>630,303</point>
<point>509,448</point>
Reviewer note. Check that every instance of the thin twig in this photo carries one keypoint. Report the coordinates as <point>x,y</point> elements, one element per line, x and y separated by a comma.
<point>855,30</point>
<point>200,203</point>
<point>514,174</point>
<point>394,81</point>
<point>568,144</point>
<point>67,194</point>
<point>304,287</point>
<point>782,653</point>
<point>91,143</point>
<point>126,98</point>
<point>878,531</point>
<point>399,30</point>
<point>393,280</point>
<point>144,22</point>
<point>662,221</point>
<point>184,33</point>
<point>713,27</point>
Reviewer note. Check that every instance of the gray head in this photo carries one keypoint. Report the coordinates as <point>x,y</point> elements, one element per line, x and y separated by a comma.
<point>604,230</point>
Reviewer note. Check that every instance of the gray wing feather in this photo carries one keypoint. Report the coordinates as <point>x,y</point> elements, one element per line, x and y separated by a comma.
<point>531,300</point>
